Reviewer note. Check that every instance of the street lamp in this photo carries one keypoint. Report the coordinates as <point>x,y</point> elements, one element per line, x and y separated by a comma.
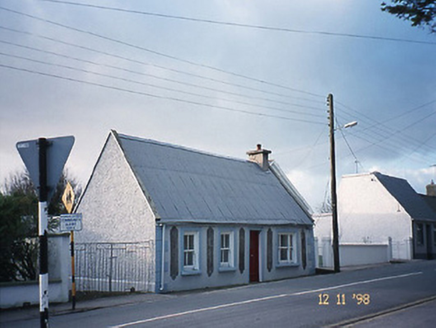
<point>349,125</point>
<point>333,182</point>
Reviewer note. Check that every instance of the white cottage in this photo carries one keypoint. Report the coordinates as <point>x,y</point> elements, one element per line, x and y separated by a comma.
<point>376,209</point>
<point>208,220</point>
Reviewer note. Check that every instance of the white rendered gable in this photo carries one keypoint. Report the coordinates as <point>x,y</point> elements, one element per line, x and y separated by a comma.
<point>368,213</point>
<point>114,207</point>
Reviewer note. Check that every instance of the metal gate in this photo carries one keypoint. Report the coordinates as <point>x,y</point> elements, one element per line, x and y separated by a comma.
<point>114,267</point>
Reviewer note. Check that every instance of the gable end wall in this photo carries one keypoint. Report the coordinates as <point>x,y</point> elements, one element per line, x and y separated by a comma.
<point>114,208</point>
<point>368,213</point>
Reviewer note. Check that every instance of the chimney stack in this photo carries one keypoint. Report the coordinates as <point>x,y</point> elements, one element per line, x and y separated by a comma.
<point>431,189</point>
<point>259,156</point>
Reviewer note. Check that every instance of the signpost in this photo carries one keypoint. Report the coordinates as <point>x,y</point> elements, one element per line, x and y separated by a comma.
<point>71,222</point>
<point>45,160</point>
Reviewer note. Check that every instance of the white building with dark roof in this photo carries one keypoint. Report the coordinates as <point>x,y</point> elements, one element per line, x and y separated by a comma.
<point>208,220</point>
<point>375,209</point>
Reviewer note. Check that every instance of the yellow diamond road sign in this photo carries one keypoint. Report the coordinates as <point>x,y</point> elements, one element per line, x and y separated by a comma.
<point>68,197</point>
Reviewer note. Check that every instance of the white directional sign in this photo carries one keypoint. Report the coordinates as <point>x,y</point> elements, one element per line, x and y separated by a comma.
<point>58,151</point>
<point>71,222</point>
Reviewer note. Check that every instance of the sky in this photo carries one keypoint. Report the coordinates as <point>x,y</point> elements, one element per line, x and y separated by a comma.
<point>222,76</point>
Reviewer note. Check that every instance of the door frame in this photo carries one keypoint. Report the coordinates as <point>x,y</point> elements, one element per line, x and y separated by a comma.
<point>254,262</point>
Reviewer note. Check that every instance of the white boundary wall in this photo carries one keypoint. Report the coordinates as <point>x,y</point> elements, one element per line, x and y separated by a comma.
<point>16,294</point>
<point>352,254</point>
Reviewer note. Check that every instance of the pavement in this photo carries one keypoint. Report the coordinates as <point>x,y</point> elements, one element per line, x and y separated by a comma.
<point>418,314</point>
<point>32,312</point>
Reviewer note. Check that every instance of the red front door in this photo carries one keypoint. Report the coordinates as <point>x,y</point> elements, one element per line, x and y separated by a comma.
<point>254,256</point>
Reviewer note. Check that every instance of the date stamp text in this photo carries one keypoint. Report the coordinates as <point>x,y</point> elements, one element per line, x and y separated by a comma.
<point>343,299</point>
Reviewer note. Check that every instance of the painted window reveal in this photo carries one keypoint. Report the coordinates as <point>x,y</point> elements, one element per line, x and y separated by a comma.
<point>269,250</point>
<point>210,256</point>
<point>420,234</point>
<point>190,251</point>
<point>241,250</point>
<point>174,246</point>
<point>226,250</point>
<point>434,234</point>
<point>303,249</point>
<point>287,252</point>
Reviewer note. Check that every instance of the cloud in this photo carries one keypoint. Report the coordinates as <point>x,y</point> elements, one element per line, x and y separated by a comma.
<point>374,81</point>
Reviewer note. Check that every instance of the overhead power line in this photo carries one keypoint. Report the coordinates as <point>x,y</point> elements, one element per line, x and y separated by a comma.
<point>156,86</point>
<point>161,54</point>
<point>157,96</point>
<point>387,131</point>
<point>416,149</point>
<point>243,25</point>
<point>386,128</point>
<point>388,136</point>
<point>393,148</point>
<point>390,142</point>
<point>395,117</point>
<point>390,149</point>
<point>311,148</point>
<point>123,42</point>
<point>164,68</point>
<point>388,139</point>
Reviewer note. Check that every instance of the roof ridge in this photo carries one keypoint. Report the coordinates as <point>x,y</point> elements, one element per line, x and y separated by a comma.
<point>184,148</point>
<point>406,196</point>
<point>377,173</point>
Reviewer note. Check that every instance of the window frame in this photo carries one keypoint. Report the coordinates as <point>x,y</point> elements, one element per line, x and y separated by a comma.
<point>189,240</point>
<point>290,248</point>
<point>230,249</point>
<point>194,268</point>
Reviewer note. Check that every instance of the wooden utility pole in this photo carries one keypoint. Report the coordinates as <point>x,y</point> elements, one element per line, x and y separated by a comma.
<point>333,185</point>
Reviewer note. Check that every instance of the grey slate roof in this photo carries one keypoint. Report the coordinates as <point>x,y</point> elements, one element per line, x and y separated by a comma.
<point>409,199</point>
<point>430,200</point>
<point>191,186</point>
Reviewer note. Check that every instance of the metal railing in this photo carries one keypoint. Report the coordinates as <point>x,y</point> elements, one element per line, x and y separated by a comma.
<point>114,267</point>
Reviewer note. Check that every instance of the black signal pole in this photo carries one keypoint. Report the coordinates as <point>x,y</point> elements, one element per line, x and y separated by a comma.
<point>44,159</point>
<point>42,232</point>
<point>333,185</point>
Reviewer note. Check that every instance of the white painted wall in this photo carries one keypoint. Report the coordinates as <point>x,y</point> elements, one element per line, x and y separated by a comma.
<point>368,213</point>
<point>18,294</point>
<point>352,254</point>
<point>15,294</point>
<point>322,225</point>
<point>114,208</point>
<point>355,254</point>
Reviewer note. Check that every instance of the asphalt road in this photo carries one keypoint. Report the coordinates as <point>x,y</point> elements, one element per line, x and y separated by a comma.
<point>363,298</point>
